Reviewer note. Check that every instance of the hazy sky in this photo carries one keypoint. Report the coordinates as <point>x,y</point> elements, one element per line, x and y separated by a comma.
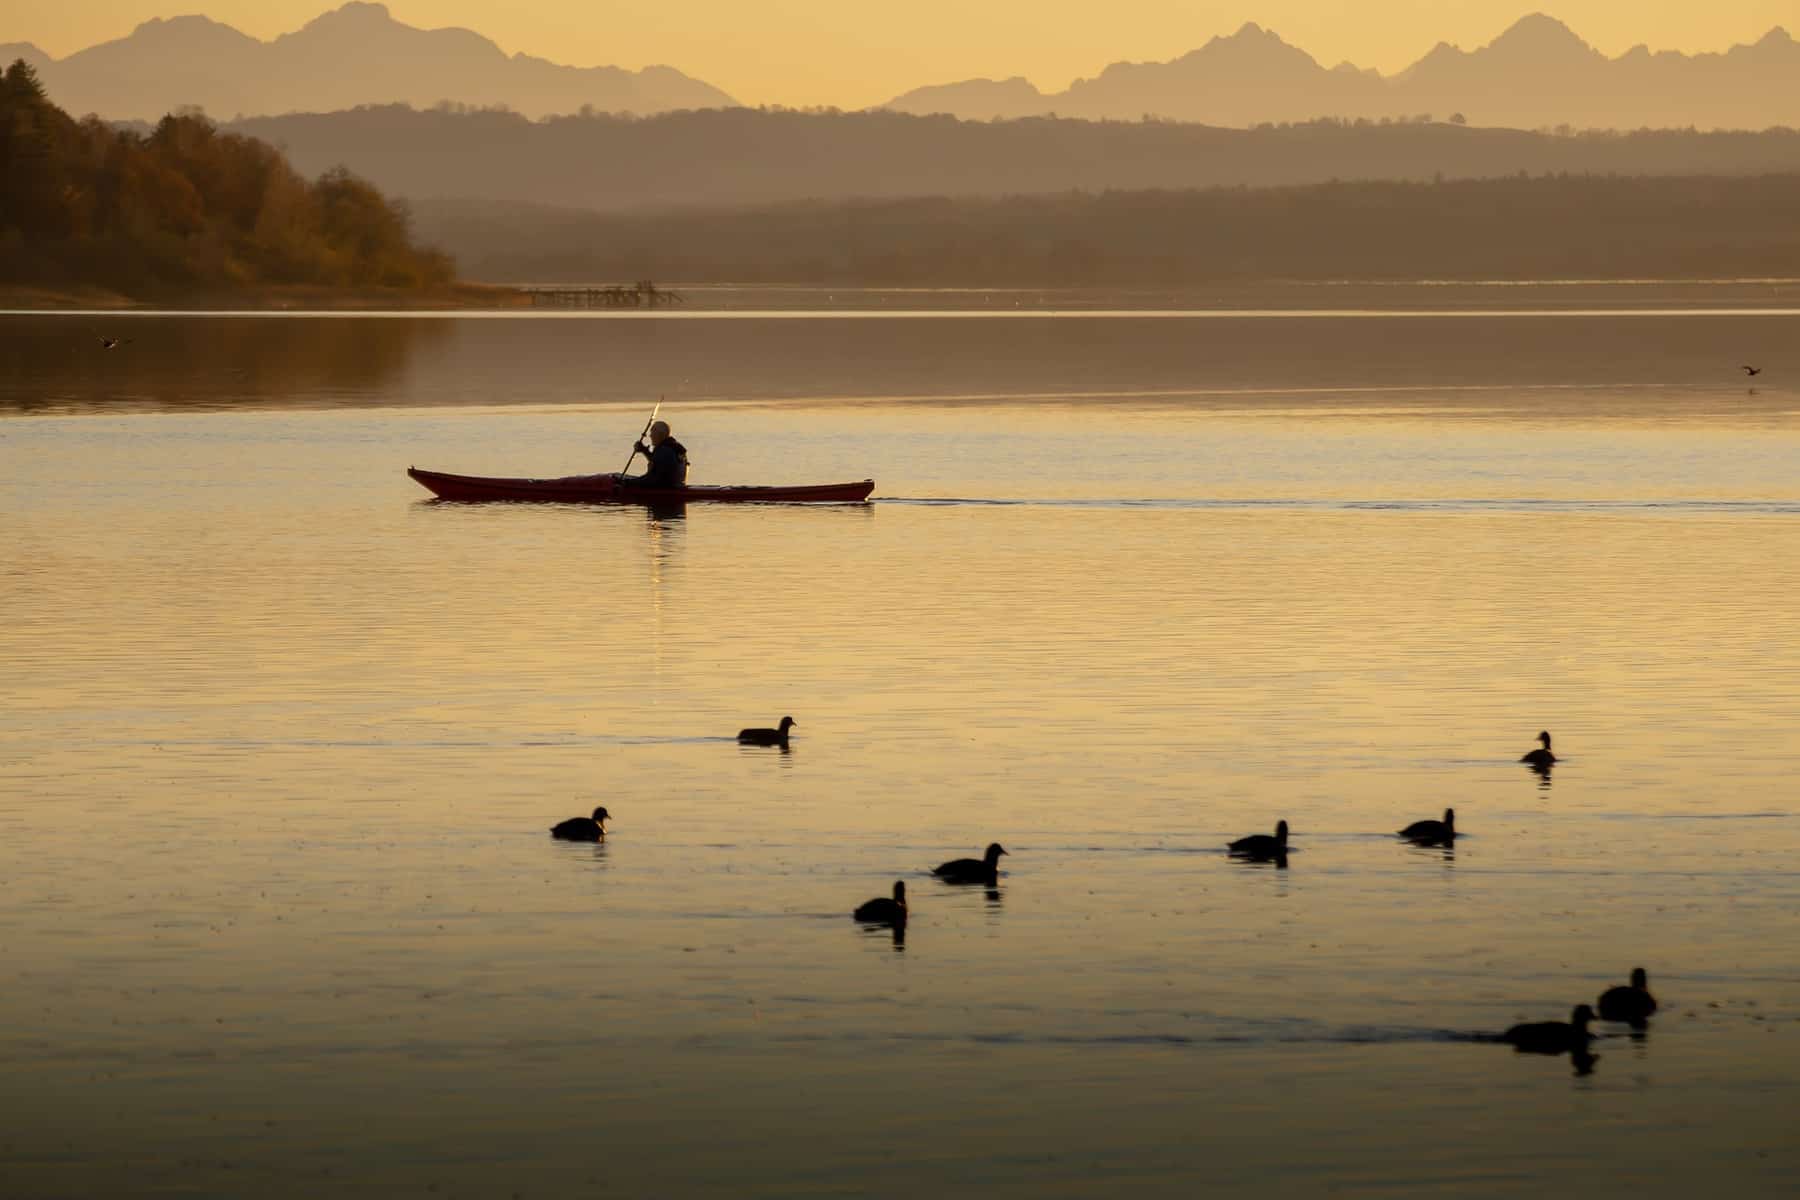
<point>854,52</point>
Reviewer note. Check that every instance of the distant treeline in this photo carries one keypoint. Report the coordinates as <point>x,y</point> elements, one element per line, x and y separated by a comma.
<point>184,206</point>
<point>727,157</point>
<point>1522,227</point>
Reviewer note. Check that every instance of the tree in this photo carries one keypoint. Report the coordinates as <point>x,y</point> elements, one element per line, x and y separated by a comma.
<point>83,203</point>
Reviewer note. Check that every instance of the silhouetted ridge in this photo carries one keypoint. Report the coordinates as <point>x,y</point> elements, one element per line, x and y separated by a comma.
<point>355,54</point>
<point>728,157</point>
<point>1536,72</point>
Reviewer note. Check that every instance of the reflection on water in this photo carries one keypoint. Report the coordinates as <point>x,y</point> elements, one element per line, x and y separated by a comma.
<point>321,728</point>
<point>56,364</point>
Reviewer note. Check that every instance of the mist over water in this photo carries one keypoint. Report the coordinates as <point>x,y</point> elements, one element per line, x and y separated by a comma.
<point>280,741</point>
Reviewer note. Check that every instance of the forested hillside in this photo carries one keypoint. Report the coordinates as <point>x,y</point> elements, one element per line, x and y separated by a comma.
<point>1535,227</point>
<point>728,157</point>
<point>184,206</point>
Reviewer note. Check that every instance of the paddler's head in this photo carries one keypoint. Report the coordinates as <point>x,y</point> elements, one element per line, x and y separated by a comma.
<point>659,432</point>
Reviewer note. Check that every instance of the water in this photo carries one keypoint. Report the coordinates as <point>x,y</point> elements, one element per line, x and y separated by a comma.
<point>280,738</point>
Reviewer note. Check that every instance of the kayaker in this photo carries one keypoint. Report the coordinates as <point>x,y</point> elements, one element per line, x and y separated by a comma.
<point>667,457</point>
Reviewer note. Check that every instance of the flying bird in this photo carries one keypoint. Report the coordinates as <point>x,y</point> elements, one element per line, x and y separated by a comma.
<point>1752,371</point>
<point>109,343</point>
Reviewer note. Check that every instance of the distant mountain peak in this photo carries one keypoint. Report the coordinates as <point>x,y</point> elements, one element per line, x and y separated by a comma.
<point>355,10</point>
<point>1539,32</point>
<point>188,26</point>
<point>351,55</point>
<point>355,16</point>
<point>1249,35</point>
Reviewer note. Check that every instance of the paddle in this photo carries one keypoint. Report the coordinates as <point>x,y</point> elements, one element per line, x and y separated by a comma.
<point>642,436</point>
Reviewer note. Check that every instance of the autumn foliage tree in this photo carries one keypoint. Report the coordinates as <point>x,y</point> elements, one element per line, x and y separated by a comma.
<point>185,206</point>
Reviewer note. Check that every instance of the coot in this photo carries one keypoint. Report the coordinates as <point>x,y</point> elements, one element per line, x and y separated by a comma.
<point>972,870</point>
<point>767,737</point>
<point>583,829</point>
<point>1261,845</point>
<point>1632,1004</point>
<point>882,911</point>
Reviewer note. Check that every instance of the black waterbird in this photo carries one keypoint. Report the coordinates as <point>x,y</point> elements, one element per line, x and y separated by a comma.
<point>766,737</point>
<point>972,870</point>
<point>883,911</point>
<point>583,829</point>
<point>1541,757</point>
<point>1633,1004</point>
<point>1261,845</point>
<point>1432,832</point>
<point>1553,1037</point>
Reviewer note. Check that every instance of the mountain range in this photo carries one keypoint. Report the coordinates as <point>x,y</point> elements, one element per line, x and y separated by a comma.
<point>356,54</point>
<point>1537,73</point>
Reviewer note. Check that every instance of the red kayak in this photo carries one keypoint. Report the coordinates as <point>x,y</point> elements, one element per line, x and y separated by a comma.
<point>605,489</point>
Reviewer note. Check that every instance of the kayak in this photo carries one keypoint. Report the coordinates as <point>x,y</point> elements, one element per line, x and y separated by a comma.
<point>606,489</point>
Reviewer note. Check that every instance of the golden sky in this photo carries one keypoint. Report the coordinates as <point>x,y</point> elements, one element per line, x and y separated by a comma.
<point>853,53</point>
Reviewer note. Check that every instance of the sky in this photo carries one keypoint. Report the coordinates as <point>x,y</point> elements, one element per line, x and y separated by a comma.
<point>853,53</point>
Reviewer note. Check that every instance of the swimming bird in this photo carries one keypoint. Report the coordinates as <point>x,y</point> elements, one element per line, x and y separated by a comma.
<point>1261,845</point>
<point>583,829</point>
<point>766,737</point>
<point>882,911</point>
<point>1432,831</point>
<point>1553,1037</point>
<point>1543,757</point>
<point>1633,1004</point>
<point>1751,371</point>
<point>972,870</point>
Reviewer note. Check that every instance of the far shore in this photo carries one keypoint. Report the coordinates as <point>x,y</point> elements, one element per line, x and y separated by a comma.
<point>268,298</point>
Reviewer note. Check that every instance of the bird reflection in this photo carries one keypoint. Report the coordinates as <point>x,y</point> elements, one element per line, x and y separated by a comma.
<point>897,933</point>
<point>1278,860</point>
<point>1542,771</point>
<point>1584,1061</point>
<point>993,896</point>
<point>1446,852</point>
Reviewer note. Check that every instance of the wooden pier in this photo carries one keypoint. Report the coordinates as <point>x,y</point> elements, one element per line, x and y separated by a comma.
<point>642,294</point>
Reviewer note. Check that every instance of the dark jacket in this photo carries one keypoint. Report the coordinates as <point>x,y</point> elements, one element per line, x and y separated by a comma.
<point>668,467</point>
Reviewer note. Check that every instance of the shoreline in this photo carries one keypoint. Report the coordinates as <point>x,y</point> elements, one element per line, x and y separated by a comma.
<point>1272,297</point>
<point>271,298</point>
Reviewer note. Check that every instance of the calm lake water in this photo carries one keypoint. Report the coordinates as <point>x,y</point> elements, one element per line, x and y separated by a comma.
<point>280,740</point>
